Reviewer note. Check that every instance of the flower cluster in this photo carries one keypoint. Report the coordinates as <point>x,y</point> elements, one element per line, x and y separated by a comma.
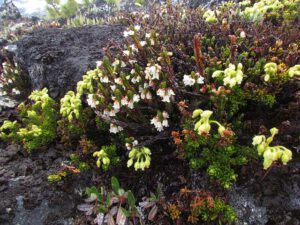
<point>70,106</point>
<point>270,70</point>
<point>263,8</point>
<point>160,121</point>
<point>203,126</point>
<point>141,156</point>
<point>269,153</point>
<point>192,79</point>
<point>294,71</point>
<point>210,16</point>
<point>107,156</point>
<point>232,76</point>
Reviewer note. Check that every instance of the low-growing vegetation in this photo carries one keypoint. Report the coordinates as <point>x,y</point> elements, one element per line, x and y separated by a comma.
<point>183,82</point>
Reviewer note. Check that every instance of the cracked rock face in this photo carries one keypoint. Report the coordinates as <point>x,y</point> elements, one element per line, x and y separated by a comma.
<point>58,58</point>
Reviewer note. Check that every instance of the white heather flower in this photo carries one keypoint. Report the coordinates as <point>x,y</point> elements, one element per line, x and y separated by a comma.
<point>157,123</point>
<point>200,80</point>
<point>126,52</point>
<point>152,72</point>
<point>116,63</point>
<point>123,64</point>
<point>165,94</point>
<point>137,27</point>
<point>124,101</point>
<point>112,113</point>
<point>104,79</point>
<point>116,106</point>
<point>119,81</point>
<point>130,104</point>
<point>91,102</point>
<point>132,61</point>
<point>160,124</point>
<point>146,16</point>
<point>148,35</point>
<point>16,91</point>
<point>188,80</point>
<point>165,115</point>
<point>113,87</point>
<point>243,34</point>
<point>98,64</point>
<point>114,129</point>
<point>106,112</point>
<point>132,71</point>
<point>152,42</point>
<point>165,123</point>
<point>125,34</point>
<point>148,95</point>
<point>143,43</point>
<point>133,48</point>
<point>136,98</point>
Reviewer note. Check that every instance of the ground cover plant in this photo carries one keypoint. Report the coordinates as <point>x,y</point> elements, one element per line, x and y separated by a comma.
<point>184,83</point>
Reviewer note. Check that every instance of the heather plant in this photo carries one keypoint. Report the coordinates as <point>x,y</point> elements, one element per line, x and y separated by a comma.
<point>14,82</point>
<point>164,73</point>
<point>107,157</point>
<point>37,126</point>
<point>271,154</point>
<point>81,20</point>
<point>199,206</point>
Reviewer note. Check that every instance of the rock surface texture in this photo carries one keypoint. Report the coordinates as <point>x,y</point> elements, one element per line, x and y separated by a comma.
<point>57,58</point>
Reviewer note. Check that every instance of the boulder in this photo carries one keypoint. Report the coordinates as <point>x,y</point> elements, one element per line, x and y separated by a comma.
<point>9,11</point>
<point>58,58</point>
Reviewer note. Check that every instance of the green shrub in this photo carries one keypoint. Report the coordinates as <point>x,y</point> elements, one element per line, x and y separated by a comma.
<point>37,127</point>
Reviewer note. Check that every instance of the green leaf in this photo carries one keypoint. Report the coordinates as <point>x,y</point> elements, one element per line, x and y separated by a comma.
<point>130,199</point>
<point>125,212</point>
<point>115,184</point>
<point>102,209</point>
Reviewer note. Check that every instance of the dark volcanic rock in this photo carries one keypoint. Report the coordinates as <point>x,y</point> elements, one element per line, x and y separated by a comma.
<point>8,10</point>
<point>57,58</point>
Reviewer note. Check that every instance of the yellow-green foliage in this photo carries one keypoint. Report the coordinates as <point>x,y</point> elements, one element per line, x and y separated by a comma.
<point>57,10</point>
<point>38,122</point>
<point>70,106</point>
<point>271,8</point>
<point>141,156</point>
<point>273,153</point>
<point>81,20</point>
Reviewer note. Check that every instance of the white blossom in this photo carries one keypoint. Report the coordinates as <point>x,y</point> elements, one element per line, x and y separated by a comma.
<point>165,94</point>
<point>137,27</point>
<point>143,43</point>
<point>136,98</point>
<point>152,72</point>
<point>114,129</point>
<point>116,106</point>
<point>124,101</point>
<point>16,91</point>
<point>188,80</point>
<point>104,79</point>
<point>91,102</point>
<point>126,52</point>
<point>243,34</point>
<point>160,123</point>
<point>99,64</point>
<point>200,80</point>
